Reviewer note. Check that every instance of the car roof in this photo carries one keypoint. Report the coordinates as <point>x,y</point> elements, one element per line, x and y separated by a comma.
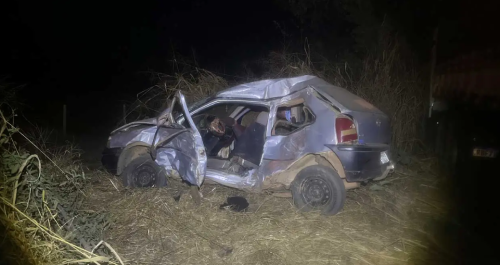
<point>277,88</point>
<point>268,88</point>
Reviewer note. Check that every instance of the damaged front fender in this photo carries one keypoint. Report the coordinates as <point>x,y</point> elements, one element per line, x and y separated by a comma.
<point>172,146</point>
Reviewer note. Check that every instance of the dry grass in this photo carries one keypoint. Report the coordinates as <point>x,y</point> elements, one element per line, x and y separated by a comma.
<point>40,215</point>
<point>394,85</point>
<point>46,142</point>
<point>382,223</point>
<point>195,85</point>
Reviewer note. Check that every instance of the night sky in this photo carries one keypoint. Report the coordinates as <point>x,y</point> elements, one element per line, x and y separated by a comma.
<point>94,55</point>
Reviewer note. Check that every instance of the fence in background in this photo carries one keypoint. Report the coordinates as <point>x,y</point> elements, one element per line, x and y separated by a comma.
<point>123,120</point>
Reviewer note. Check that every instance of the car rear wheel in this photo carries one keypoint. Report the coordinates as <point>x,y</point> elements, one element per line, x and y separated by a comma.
<point>318,188</point>
<point>144,172</point>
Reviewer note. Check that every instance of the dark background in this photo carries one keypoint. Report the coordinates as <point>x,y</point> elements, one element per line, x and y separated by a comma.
<point>95,55</point>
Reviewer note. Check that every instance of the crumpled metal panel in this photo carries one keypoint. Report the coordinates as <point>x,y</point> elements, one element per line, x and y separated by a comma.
<point>249,181</point>
<point>277,88</point>
<point>280,151</point>
<point>267,89</point>
<point>185,153</point>
<point>150,121</point>
<point>200,166</point>
<point>310,139</point>
<point>139,133</point>
<point>180,155</point>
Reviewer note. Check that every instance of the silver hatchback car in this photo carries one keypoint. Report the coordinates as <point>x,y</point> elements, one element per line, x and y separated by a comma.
<point>300,135</point>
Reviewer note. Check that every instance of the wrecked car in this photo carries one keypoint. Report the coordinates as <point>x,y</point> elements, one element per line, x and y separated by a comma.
<point>298,135</point>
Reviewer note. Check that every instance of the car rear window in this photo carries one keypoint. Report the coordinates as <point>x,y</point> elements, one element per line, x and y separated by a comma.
<point>347,99</point>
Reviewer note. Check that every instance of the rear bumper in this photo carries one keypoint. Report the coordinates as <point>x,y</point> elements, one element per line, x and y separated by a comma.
<point>364,162</point>
<point>110,159</point>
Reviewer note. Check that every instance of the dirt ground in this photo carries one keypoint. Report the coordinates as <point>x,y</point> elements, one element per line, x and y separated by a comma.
<point>394,221</point>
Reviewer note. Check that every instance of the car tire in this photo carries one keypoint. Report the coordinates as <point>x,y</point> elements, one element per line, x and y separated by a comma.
<point>144,172</point>
<point>318,188</point>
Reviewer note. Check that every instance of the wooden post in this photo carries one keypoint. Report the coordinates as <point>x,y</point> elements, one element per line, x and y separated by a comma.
<point>64,120</point>
<point>433,66</point>
<point>124,114</point>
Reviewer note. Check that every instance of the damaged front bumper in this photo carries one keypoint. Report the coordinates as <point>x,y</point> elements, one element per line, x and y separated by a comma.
<point>364,162</point>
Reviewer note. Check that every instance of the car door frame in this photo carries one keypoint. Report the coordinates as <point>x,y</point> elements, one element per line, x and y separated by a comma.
<point>285,147</point>
<point>201,156</point>
<point>216,101</point>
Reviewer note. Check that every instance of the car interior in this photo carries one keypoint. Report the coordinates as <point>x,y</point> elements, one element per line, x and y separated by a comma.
<point>299,117</point>
<point>234,134</point>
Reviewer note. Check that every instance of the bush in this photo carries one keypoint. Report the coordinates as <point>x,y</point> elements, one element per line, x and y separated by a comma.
<point>40,206</point>
<point>195,85</point>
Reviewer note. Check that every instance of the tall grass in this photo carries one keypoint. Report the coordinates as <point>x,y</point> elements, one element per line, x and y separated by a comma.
<point>40,204</point>
<point>195,85</point>
<point>395,86</point>
<point>8,94</point>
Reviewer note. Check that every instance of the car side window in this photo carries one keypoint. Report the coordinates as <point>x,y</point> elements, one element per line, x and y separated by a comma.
<point>290,119</point>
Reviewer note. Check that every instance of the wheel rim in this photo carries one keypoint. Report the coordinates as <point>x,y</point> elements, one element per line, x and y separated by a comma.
<point>316,191</point>
<point>144,175</point>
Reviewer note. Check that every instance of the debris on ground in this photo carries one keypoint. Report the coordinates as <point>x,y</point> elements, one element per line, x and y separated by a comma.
<point>237,204</point>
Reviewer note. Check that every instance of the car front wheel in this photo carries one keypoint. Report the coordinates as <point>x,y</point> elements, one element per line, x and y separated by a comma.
<point>144,172</point>
<point>318,188</point>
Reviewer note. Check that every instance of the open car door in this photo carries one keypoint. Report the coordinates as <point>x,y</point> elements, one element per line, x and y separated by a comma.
<point>184,150</point>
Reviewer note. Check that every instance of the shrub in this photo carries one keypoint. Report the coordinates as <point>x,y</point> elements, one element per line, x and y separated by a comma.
<point>195,85</point>
<point>40,206</point>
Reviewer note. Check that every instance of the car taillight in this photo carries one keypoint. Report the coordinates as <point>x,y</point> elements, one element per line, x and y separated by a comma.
<point>346,129</point>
